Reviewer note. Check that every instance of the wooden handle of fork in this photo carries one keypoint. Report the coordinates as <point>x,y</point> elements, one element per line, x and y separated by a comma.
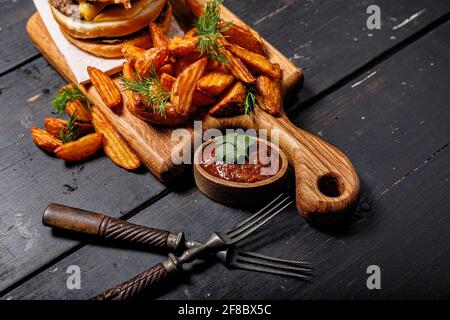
<point>327,185</point>
<point>144,282</point>
<point>108,228</point>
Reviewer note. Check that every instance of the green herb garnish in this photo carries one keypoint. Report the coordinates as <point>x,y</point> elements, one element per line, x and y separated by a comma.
<point>68,95</point>
<point>150,88</point>
<point>234,148</point>
<point>250,100</point>
<point>70,133</point>
<point>209,31</point>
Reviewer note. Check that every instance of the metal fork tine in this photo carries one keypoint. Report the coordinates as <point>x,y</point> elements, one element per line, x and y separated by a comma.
<point>256,218</point>
<point>251,267</point>
<point>255,226</point>
<point>268,206</point>
<point>282,262</point>
<point>278,266</point>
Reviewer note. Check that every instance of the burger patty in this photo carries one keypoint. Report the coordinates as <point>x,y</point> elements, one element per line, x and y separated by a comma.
<point>67,7</point>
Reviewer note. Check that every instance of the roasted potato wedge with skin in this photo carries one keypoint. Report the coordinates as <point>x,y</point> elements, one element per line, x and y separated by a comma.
<point>44,140</point>
<point>269,94</point>
<point>216,66</point>
<point>83,114</point>
<point>167,68</point>
<point>54,126</point>
<point>167,81</point>
<point>132,53</point>
<point>142,110</point>
<point>152,58</point>
<point>199,99</point>
<point>184,87</point>
<point>114,145</point>
<point>183,46</point>
<point>214,83</point>
<point>244,37</point>
<point>106,87</point>
<point>232,104</point>
<point>255,60</point>
<point>238,68</point>
<point>195,7</point>
<point>159,38</point>
<point>81,149</point>
<point>184,62</point>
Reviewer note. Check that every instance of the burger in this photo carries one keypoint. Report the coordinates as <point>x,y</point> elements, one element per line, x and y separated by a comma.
<point>101,27</point>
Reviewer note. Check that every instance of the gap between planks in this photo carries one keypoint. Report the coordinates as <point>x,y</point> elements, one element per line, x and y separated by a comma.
<point>369,65</point>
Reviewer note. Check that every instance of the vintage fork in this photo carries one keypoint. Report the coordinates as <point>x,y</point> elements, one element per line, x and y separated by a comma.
<point>113,229</point>
<point>218,241</point>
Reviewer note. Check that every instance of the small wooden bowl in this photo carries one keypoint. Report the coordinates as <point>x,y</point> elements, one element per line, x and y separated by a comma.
<point>239,194</point>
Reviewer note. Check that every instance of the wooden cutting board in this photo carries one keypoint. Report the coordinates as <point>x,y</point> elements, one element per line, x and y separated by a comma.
<point>327,185</point>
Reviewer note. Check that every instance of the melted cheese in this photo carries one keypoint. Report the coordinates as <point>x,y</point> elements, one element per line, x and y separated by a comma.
<point>90,10</point>
<point>119,13</point>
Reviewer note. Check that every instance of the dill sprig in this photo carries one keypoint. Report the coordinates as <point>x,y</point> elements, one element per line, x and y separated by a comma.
<point>250,100</point>
<point>67,95</point>
<point>150,88</point>
<point>70,133</point>
<point>209,31</point>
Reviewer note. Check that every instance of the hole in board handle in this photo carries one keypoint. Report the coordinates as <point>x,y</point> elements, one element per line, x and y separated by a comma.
<point>330,185</point>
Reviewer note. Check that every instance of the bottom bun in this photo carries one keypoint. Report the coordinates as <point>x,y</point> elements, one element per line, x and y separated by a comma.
<point>112,48</point>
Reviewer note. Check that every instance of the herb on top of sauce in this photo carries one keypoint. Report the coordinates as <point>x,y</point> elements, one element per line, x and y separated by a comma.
<point>209,28</point>
<point>234,148</point>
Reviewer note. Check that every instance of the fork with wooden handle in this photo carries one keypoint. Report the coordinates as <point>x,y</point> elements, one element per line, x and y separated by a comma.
<point>108,228</point>
<point>218,241</point>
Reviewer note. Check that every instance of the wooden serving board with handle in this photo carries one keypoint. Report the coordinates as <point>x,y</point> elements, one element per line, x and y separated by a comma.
<point>327,185</point>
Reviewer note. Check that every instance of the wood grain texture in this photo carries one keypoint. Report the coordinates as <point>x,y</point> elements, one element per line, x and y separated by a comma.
<point>401,149</point>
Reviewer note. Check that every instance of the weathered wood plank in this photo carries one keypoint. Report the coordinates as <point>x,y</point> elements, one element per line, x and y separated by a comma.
<point>31,179</point>
<point>329,39</point>
<point>15,48</point>
<point>394,125</point>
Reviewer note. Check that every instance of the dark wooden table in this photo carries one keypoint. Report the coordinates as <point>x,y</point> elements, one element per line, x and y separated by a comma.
<point>382,96</point>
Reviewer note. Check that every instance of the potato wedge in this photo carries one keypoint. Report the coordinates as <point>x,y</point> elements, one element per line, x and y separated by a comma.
<point>214,83</point>
<point>244,37</point>
<point>167,68</point>
<point>44,140</point>
<point>255,60</point>
<point>269,94</point>
<point>81,149</point>
<point>201,100</point>
<point>54,126</point>
<point>238,68</point>
<point>106,87</point>
<point>167,81</point>
<point>132,53</point>
<point>152,58</point>
<point>232,104</point>
<point>183,46</point>
<point>195,6</point>
<point>159,38</point>
<point>83,114</point>
<point>114,145</point>
<point>184,62</point>
<point>184,87</point>
<point>191,33</point>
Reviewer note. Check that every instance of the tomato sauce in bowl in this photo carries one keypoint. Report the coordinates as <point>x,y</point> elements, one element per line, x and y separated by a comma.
<point>262,163</point>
